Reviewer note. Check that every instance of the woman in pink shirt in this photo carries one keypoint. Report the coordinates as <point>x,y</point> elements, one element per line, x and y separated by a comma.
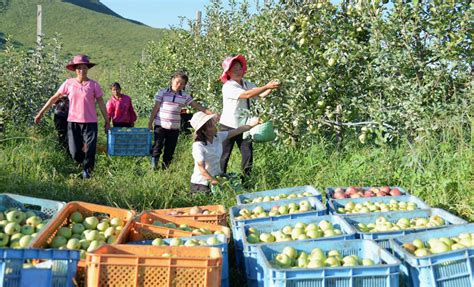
<point>83,94</point>
<point>120,108</point>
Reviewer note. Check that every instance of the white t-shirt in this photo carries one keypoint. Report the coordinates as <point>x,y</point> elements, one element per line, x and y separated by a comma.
<point>211,155</point>
<point>233,111</point>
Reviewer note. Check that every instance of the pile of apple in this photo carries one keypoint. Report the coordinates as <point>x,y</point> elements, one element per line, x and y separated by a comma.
<point>440,245</point>
<point>18,228</point>
<point>195,210</point>
<point>381,224</point>
<point>300,231</point>
<point>190,242</point>
<point>369,206</point>
<point>278,197</point>
<point>86,234</point>
<point>291,258</point>
<point>185,227</point>
<point>257,212</point>
<point>357,192</point>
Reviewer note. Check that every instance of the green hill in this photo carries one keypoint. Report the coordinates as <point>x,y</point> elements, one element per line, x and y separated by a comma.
<point>85,26</point>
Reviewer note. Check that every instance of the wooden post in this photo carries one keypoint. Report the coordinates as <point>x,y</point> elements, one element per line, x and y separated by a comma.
<point>198,23</point>
<point>39,24</point>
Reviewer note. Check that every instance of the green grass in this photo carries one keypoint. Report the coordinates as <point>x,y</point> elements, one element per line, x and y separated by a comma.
<point>86,27</point>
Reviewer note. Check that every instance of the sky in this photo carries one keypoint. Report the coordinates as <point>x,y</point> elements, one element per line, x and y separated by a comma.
<point>157,13</point>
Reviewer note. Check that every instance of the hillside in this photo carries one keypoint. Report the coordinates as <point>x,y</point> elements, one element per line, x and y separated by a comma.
<point>85,26</point>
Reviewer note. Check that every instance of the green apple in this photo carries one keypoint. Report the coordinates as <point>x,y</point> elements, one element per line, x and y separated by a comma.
<point>109,231</point>
<point>318,253</point>
<point>15,244</point>
<point>334,253</point>
<point>283,209</point>
<point>300,225</point>
<point>15,216</point>
<point>302,262</point>
<point>94,245</point>
<point>290,252</point>
<point>191,242</point>
<point>83,254</point>
<point>314,234</point>
<point>12,228</point>
<point>422,252</point>
<point>90,222</point>
<point>77,228</point>
<point>3,239</point>
<point>325,225</point>
<point>282,260</point>
<point>27,229</point>
<point>332,261</point>
<point>58,241</point>
<point>65,232</point>
<point>92,235</point>
<point>73,243</point>
<point>116,221</point>
<point>76,217</point>
<point>176,242</point>
<point>367,262</point>
<point>103,226</point>
<point>40,226</point>
<point>84,244</point>
<point>287,229</point>
<point>16,237</point>
<point>253,238</point>
<point>266,237</point>
<point>213,241</point>
<point>158,242</point>
<point>111,239</point>
<point>25,241</point>
<point>33,221</point>
<point>170,225</point>
<point>418,244</point>
<point>315,263</point>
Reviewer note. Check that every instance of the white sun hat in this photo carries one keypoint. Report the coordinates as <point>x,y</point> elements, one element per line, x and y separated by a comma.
<point>199,119</point>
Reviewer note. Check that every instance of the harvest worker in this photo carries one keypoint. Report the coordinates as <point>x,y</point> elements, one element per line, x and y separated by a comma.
<point>120,109</point>
<point>166,115</point>
<point>207,149</point>
<point>83,93</point>
<point>237,93</point>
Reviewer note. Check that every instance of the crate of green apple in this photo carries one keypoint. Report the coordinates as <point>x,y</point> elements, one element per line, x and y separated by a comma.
<point>349,206</point>
<point>213,214</point>
<point>84,226</point>
<point>278,194</point>
<point>182,227</point>
<point>349,263</point>
<point>385,225</point>
<point>22,217</point>
<point>328,227</point>
<point>271,211</point>
<point>444,256</point>
<point>358,192</point>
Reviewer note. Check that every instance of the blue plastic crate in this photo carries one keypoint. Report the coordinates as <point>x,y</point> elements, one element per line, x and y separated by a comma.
<point>129,142</point>
<point>449,269</point>
<point>236,225</point>
<point>241,198</point>
<point>61,273</point>
<point>44,208</point>
<point>223,246</point>
<point>334,204</point>
<point>382,238</point>
<point>254,271</point>
<point>330,190</point>
<point>385,272</point>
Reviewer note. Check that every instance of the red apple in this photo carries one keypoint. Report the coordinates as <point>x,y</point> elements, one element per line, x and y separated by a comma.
<point>369,193</point>
<point>381,193</point>
<point>385,189</point>
<point>355,195</point>
<point>339,195</point>
<point>351,190</point>
<point>395,192</point>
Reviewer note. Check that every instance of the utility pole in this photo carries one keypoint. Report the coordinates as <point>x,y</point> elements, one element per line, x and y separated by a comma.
<point>198,23</point>
<point>39,24</point>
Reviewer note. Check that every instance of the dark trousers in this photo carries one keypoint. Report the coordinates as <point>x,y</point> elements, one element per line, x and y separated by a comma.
<point>82,143</point>
<point>60,123</point>
<point>123,125</point>
<point>246,150</point>
<point>199,188</point>
<point>165,141</point>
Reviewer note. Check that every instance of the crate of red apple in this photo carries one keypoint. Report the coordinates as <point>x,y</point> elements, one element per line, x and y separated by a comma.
<point>358,192</point>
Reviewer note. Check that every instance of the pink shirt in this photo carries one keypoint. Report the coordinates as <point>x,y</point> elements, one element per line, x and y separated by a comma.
<point>82,98</point>
<point>120,110</point>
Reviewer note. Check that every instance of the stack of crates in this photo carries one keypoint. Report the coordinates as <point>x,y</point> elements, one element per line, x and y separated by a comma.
<point>129,142</point>
<point>268,200</point>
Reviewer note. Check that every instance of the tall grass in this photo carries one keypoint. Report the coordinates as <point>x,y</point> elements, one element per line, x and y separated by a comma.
<point>438,168</point>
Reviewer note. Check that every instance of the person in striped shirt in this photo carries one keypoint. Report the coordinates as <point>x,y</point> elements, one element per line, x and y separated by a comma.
<point>166,115</point>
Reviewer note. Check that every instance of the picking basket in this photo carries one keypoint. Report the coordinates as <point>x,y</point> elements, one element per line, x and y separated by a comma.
<point>223,246</point>
<point>46,235</point>
<point>263,132</point>
<point>385,272</point>
<point>44,208</point>
<point>60,269</point>
<point>334,204</point>
<point>382,238</point>
<point>237,225</point>
<point>449,269</point>
<point>143,265</point>
<point>148,217</point>
<point>330,190</point>
<point>219,218</point>
<point>254,271</point>
<point>243,198</point>
<point>129,142</point>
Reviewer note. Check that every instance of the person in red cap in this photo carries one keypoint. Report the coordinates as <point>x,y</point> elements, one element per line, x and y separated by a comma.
<point>83,94</point>
<point>237,94</point>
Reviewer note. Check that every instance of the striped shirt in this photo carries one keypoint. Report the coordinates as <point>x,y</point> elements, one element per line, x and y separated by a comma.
<point>169,116</point>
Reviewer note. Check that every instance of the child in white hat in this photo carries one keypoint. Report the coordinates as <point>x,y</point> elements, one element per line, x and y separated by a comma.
<point>207,149</point>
